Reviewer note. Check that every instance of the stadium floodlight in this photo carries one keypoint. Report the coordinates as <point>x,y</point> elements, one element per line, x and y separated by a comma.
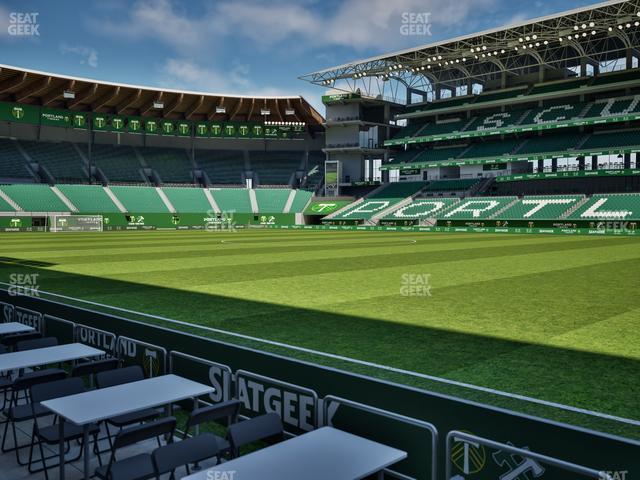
<point>221,109</point>
<point>158,104</point>
<point>69,94</point>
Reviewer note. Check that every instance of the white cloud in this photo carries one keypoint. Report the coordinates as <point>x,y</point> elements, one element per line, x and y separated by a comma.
<point>159,20</point>
<point>359,24</point>
<point>183,74</point>
<point>88,55</point>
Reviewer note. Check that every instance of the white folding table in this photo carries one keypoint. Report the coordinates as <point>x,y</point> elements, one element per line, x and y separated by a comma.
<point>47,355</point>
<point>95,406</point>
<point>9,328</point>
<point>326,453</point>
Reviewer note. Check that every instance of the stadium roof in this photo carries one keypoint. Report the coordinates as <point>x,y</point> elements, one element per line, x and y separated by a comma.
<point>81,94</point>
<point>591,35</point>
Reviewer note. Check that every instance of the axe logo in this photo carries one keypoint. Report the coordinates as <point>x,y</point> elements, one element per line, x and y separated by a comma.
<point>520,468</point>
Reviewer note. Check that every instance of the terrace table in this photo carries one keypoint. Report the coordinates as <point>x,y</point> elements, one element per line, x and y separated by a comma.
<point>95,406</point>
<point>47,355</point>
<point>318,455</point>
<point>14,327</point>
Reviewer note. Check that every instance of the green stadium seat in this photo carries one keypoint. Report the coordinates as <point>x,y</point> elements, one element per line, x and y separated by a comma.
<point>551,142</point>
<point>492,148</point>
<point>140,199</point>
<point>457,184</point>
<point>232,199</point>
<point>222,166</point>
<point>410,130</point>
<point>615,77</point>
<point>609,207</point>
<point>35,197</point>
<point>533,208</point>
<point>399,190</point>
<point>12,162</point>
<point>300,201</point>
<point>612,139</point>
<point>59,158</point>
<point>4,206</point>
<point>559,86</point>
<point>366,209</point>
<point>118,163</point>
<point>89,198</point>
<point>439,154</point>
<point>492,96</point>
<point>275,168</point>
<point>421,209</point>
<point>172,164</point>
<point>272,200</point>
<point>476,208</point>
<point>187,199</point>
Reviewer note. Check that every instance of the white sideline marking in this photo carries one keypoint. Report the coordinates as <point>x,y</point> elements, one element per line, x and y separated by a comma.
<point>356,361</point>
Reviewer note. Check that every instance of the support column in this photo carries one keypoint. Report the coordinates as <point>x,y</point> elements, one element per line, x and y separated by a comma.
<point>594,162</point>
<point>554,164</point>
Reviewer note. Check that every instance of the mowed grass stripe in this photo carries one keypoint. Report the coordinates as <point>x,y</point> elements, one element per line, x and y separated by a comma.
<point>502,306</point>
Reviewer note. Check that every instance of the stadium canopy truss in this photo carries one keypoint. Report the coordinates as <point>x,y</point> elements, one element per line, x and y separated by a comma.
<point>80,94</point>
<point>583,41</point>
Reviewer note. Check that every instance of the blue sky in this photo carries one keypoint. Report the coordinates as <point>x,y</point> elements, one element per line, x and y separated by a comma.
<point>230,46</point>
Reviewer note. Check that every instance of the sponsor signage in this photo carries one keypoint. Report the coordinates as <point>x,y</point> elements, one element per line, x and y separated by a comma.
<point>576,174</point>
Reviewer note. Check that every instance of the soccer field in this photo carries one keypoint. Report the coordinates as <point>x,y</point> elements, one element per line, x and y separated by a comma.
<point>551,317</point>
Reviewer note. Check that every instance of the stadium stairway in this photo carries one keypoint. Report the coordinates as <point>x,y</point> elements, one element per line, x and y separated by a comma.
<point>7,204</point>
<point>574,207</point>
<point>62,197</point>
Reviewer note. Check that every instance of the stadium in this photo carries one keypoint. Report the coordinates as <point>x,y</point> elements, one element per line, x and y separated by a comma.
<point>435,278</point>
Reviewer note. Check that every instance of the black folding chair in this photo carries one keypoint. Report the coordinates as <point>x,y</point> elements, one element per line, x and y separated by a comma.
<point>92,368</point>
<point>50,434</point>
<point>10,340</point>
<point>17,412</point>
<point>140,466</point>
<point>265,427</point>
<point>121,376</point>
<point>191,450</point>
<point>227,411</point>
<point>33,343</point>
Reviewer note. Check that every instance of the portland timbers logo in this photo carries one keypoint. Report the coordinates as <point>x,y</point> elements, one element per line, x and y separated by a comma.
<point>175,219</point>
<point>79,121</point>
<point>17,113</point>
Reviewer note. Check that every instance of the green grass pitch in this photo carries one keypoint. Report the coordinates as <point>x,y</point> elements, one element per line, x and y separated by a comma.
<point>551,317</point>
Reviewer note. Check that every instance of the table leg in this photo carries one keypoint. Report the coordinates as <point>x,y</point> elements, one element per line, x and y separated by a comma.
<point>85,445</point>
<point>61,446</point>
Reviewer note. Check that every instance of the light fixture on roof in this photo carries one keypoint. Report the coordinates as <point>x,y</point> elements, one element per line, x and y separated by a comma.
<point>289,111</point>
<point>265,111</point>
<point>68,94</point>
<point>584,26</point>
<point>221,109</point>
<point>521,39</point>
<point>576,27</point>
<point>527,38</point>
<point>158,104</point>
<point>535,37</point>
<point>592,24</point>
<point>546,42</point>
<point>593,32</point>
